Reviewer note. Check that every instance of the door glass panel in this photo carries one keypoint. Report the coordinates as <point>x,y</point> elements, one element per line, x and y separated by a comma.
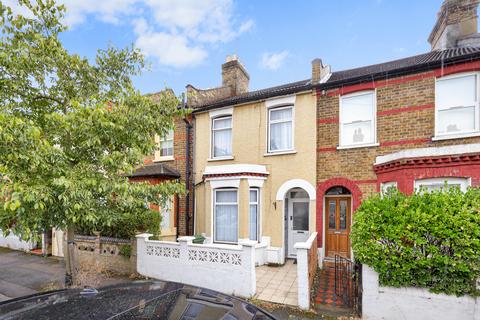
<point>331,214</point>
<point>300,216</point>
<point>343,214</point>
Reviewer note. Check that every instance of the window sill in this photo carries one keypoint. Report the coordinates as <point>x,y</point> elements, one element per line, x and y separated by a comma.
<point>457,136</point>
<point>166,158</point>
<point>358,146</point>
<point>279,153</point>
<point>221,159</point>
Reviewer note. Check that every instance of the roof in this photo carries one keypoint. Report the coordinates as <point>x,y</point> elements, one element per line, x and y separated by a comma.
<point>155,170</point>
<point>284,89</point>
<point>414,64</point>
<point>409,65</point>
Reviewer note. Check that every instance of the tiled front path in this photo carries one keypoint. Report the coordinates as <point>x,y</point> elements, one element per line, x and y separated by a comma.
<point>326,289</point>
<point>278,284</point>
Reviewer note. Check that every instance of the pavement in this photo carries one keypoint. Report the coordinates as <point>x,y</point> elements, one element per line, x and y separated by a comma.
<point>23,274</point>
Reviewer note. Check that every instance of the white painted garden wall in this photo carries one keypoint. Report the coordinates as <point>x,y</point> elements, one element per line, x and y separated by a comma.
<point>307,264</point>
<point>14,242</point>
<point>412,303</point>
<point>229,269</point>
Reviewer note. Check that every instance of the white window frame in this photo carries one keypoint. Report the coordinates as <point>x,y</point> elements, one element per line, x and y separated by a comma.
<point>212,134</point>
<point>162,140</point>
<point>169,207</point>
<point>463,182</point>
<point>214,235</point>
<point>385,185</point>
<point>374,120</point>
<point>476,131</point>
<point>269,123</point>
<point>257,203</point>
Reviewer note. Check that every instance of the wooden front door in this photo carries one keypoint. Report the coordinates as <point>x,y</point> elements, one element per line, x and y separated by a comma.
<point>337,226</point>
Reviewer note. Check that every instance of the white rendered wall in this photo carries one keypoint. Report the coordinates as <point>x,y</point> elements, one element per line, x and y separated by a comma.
<point>229,269</point>
<point>302,249</point>
<point>14,242</point>
<point>412,303</point>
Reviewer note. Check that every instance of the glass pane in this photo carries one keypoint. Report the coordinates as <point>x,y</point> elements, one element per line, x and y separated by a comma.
<point>299,194</point>
<point>357,133</point>
<point>456,120</point>
<point>166,148</point>
<point>226,223</point>
<point>456,92</point>
<point>253,196</point>
<point>192,312</point>
<point>343,214</point>
<point>253,222</point>
<point>280,114</point>
<point>222,123</point>
<point>229,196</point>
<point>357,108</point>
<point>331,214</point>
<point>223,143</point>
<point>337,191</point>
<point>165,213</point>
<point>281,136</point>
<point>300,215</point>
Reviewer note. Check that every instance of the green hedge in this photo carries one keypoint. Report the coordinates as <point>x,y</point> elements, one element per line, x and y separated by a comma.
<point>429,240</point>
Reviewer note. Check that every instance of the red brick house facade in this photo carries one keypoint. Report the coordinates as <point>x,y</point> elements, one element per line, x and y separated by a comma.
<point>406,123</point>
<point>177,166</point>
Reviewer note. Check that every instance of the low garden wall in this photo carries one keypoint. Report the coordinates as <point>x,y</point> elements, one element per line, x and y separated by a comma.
<point>229,269</point>
<point>380,302</point>
<point>307,264</point>
<point>107,254</point>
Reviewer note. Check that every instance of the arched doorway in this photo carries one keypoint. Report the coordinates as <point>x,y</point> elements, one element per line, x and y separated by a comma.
<point>338,220</point>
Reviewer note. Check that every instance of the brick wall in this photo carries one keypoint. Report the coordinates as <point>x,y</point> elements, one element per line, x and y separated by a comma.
<point>179,163</point>
<point>405,120</point>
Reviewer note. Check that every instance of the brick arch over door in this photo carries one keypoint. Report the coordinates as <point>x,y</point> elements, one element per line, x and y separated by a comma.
<point>322,189</point>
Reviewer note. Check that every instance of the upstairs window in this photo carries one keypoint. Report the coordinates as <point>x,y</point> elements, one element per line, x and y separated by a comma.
<point>456,105</point>
<point>280,129</point>
<point>166,144</point>
<point>357,119</point>
<point>222,137</point>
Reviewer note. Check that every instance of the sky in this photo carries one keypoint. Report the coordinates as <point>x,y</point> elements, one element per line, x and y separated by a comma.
<point>186,41</point>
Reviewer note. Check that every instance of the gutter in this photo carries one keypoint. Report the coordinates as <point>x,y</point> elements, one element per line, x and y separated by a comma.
<point>398,72</point>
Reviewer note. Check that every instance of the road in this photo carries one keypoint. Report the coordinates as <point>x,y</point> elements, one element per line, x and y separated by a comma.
<point>23,274</point>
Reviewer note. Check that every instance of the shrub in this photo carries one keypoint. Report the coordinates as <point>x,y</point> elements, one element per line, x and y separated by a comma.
<point>429,240</point>
<point>126,250</point>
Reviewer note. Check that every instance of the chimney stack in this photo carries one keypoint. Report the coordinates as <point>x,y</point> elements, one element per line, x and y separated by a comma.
<point>235,76</point>
<point>319,71</point>
<point>456,25</point>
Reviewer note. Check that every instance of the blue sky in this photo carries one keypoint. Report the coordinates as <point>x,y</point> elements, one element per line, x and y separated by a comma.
<point>186,41</point>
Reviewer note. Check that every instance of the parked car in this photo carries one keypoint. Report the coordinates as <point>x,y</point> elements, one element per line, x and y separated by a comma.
<point>135,300</point>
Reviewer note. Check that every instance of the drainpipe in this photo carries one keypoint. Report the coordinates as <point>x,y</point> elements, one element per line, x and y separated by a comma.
<point>177,214</point>
<point>188,127</point>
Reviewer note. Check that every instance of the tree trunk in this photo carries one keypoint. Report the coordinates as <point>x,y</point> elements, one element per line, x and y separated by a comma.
<point>70,261</point>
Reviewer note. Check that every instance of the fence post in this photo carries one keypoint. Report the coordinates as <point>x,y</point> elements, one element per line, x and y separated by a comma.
<point>248,249</point>
<point>141,251</point>
<point>185,241</point>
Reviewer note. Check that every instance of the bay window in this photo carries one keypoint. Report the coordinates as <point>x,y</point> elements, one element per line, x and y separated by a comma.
<point>435,184</point>
<point>357,119</point>
<point>456,105</point>
<point>222,137</point>
<point>226,215</point>
<point>166,214</point>
<point>280,129</point>
<point>385,186</point>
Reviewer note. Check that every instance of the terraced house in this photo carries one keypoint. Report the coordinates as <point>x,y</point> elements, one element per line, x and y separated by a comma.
<point>255,162</point>
<point>406,123</point>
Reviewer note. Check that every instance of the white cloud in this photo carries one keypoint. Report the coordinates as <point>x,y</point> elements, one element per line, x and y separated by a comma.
<point>169,49</point>
<point>175,32</point>
<point>273,61</point>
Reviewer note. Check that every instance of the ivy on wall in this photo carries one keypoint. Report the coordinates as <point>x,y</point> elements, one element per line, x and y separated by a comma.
<point>427,240</point>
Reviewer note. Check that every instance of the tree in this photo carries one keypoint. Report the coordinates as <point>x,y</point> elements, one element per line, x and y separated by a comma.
<point>71,130</point>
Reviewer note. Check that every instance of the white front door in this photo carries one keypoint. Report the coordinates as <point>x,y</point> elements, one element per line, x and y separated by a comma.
<point>297,217</point>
